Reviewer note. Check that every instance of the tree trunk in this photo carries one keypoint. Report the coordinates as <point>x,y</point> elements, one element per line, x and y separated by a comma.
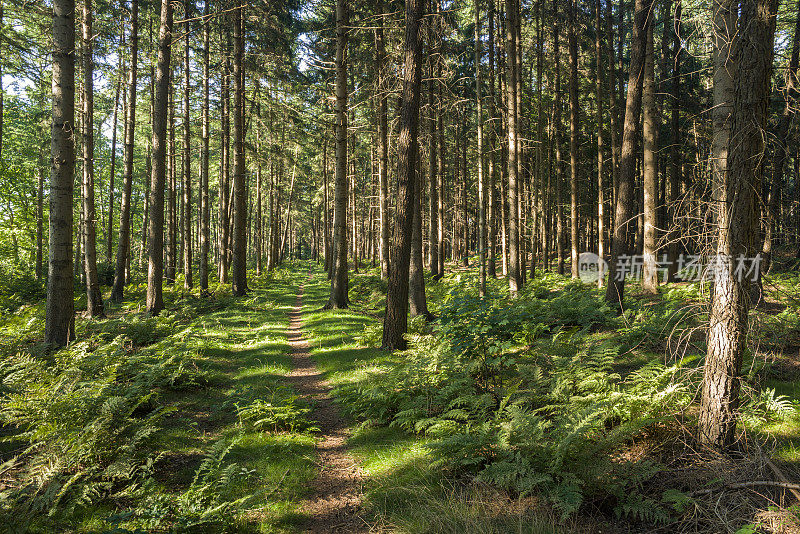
<point>738,223</point>
<point>60,317</point>
<point>598,48</point>
<point>395,323</point>
<point>187,161</point>
<point>224,177</point>
<point>39,216</point>
<point>205,204</point>
<point>155,229</point>
<point>779,154</point>
<point>624,227</point>
<point>416,281</point>
<point>239,266</point>
<point>491,268</point>
<point>573,138</point>
<point>171,245</point>
<point>675,150</point>
<point>112,172</point>
<point>613,110</point>
<point>649,171</point>
<point>724,27</point>
<point>514,275</point>
<point>123,246</point>
<point>481,185</point>
<point>559,211</point>
<point>94,300</point>
<point>383,141</point>
<point>339,280</point>
<point>325,221</point>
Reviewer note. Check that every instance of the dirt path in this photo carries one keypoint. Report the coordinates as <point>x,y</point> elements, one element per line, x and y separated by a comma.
<point>335,503</point>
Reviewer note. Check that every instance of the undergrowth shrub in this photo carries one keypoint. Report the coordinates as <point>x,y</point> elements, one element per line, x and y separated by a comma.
<point>521,419</point>
<point>86,414</point>
<point>19,286</point>
<point>282,411</point>
<point>211,503</point>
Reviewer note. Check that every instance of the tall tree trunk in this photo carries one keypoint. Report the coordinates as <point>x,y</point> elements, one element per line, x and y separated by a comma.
<point>383,140</point>
<point>724,13</point>
<point>224,177</point>
<point>514,275</point>
<point>624,228</point>
<point>187,161</point>
<point>573,137</point>
<point>123,247</point>
<point>481,184</point>
<point>39,216</point>
<point>491,268</point>
<point>257,233</point>
<point>60,316</point>
<point>155,230</point>
<point>779,154</point>
<point>738,223</point>
<point>239,267</point>
<point>94,300</point>
<point>557,141</point>
<point>339,280</point>
<point>1,97</point>
<point>613,110</point>
<point>675,149</point>
<point>416,281</point>
<point>435,111</point>
<point>598,48</point>
<point>325,213</point>
<point>395,323</point>
<point>113,167</point>
<point>205,204</point>
<point>649,171</point>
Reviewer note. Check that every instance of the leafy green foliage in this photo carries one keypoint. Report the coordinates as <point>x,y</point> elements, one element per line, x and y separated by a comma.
<point>282,411</point>
<point>524,420</point>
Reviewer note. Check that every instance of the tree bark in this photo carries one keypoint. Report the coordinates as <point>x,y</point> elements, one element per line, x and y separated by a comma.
<point>649,171</point>
<point>514,275</point>
<point>339,281</point>
<point>205,204</point>
<point>94,300</point>
<point>598,48</point>
<point>481,179</point>
<point>491,267</point>
<point>738,223</point>
<point>113,171</point>
<point>613,110</point>
<point>155,229</point>
<point>675,149</point>
<point>60,317</point>
<point>224,177</point>
<point>779,154</point>
<point>188,283</point>
<point>573,138</point>
<point>559,211</point>
<point>383,141</point>
<point>239,266</point>
<point>123,245</point>
<point>395,323</point>
<point>624,227</point>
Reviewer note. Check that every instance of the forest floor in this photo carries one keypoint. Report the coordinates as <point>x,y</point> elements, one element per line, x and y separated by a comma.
<point>334,504</point>
<point>266,420</point>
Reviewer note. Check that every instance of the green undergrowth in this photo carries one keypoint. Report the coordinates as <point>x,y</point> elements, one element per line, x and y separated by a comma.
<point>176,423</point>
<point>539,397</point>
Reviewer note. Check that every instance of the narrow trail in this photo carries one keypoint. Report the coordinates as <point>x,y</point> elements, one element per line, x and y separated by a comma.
<point>335,502</point>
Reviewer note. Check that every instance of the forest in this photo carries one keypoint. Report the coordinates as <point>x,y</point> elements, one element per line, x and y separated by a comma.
<point>407,266</point>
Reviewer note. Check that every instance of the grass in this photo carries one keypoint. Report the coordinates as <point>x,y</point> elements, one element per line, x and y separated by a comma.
<point>239,352</point>
<point>404,493</point>
<point>239,348</point>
